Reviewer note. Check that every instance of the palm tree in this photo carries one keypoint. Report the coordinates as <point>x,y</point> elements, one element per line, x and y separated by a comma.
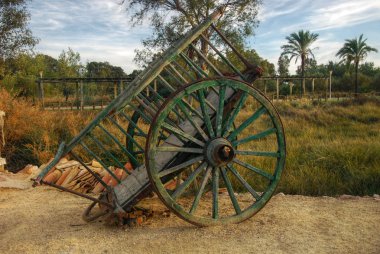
<point>299,46</point>
<point>355,50</point>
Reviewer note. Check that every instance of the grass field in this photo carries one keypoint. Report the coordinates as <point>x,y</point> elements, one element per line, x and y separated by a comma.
<point>332,148</point>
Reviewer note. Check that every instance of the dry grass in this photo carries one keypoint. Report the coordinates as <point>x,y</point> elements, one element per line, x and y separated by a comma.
<point>332,148</point>
<point>32,135</point>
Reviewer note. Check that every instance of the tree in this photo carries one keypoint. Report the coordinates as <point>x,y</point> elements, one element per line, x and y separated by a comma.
<point>283,65</point>
<point>170,19</point>
<point>103,70</point>
<point>15,36</point>
<point>355,50</point>
<point>299,46</point>
<point>69,63</point>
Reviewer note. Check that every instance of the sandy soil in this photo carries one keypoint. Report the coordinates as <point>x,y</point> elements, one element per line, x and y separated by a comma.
<point>44,220</point>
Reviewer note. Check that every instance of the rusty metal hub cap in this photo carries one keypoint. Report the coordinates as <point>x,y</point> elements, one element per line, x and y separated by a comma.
<point>219,152</point>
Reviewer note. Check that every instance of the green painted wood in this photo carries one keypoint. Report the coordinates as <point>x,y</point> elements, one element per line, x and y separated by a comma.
<point>215,193</point>
<point>116,141</point>
<point>256,153</point>
<point>110,155</point>
<point>254,169</point>
<point>219,113</point>
<point>125,132</point>
<point>180,166</point>
<point>230,191</point>
<point>244,182</point>
<point>183,134</point>
<point>246,123</point>
<point>201,190</point>
<point>238,214</point>
<point>234,114</point>
<point>206,114</point>
<point>255,137</point>
<point>179,149</point>
<point>193,122</point>
<point>198,70</point>
<point>131,122</point>
<point>182,187</point>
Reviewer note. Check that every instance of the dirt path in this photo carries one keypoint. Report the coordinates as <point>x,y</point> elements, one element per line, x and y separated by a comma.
<point>43,220</point>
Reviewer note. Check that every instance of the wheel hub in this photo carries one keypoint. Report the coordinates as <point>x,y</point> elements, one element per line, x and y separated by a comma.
<point>219,152</point>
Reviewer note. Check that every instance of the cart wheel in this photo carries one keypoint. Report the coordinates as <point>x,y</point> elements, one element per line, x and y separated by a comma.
<point>225,174</point>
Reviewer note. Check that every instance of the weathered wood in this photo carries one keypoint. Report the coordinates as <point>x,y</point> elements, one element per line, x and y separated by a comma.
<point>131,187</point>
<point>81,96</point>
<point>67,164</point>
<point>278,88</point>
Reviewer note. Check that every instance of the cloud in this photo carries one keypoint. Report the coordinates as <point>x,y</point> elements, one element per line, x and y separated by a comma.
<point>276,8</point>
<point>325,14</point>
<point>98,29</point>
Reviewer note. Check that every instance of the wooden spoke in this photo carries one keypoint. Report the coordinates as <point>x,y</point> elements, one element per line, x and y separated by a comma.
<point>246,123</point>
<point>234,114</point>
<point>254,153</point>
<point>254,137</point>
<point>194,123</point>
<point>254,169</point>
<point>201,190</point>
<point>230,190</point>
<point>215,190</point>
<point>183,134</point>
<point>180,166</point>
<point>182,187</point>
<point>219,113</point>
<point>244,182</point>
<point>179,149</point>
<point>205,112</point>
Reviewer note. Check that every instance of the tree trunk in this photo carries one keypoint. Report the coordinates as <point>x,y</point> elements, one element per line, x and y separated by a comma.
<point>356,78</point>
<point>303,74</point>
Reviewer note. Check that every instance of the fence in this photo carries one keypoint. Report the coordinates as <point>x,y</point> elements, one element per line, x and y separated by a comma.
<point>107,89</point>
<point>98,98</point>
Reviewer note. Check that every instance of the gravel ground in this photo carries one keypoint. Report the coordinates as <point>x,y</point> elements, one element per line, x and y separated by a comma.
<point>44,220</point>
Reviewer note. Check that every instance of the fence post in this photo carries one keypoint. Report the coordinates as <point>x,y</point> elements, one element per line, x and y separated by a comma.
<point>303,86</point>
<point>121,86</point>
<point>312,86</point>
<point>77,94</point>
<point>265,87</point>
<point>330,83</point>
<point>278,88</point>
<point>114,89</point>
<point>291,88</point>
<point>81,96</point>
<point>41,91</point>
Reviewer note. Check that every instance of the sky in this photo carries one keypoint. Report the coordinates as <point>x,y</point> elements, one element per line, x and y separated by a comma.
<point>100,29</point>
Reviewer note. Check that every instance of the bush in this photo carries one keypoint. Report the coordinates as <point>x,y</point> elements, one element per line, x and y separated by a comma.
<point>33,135</point>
